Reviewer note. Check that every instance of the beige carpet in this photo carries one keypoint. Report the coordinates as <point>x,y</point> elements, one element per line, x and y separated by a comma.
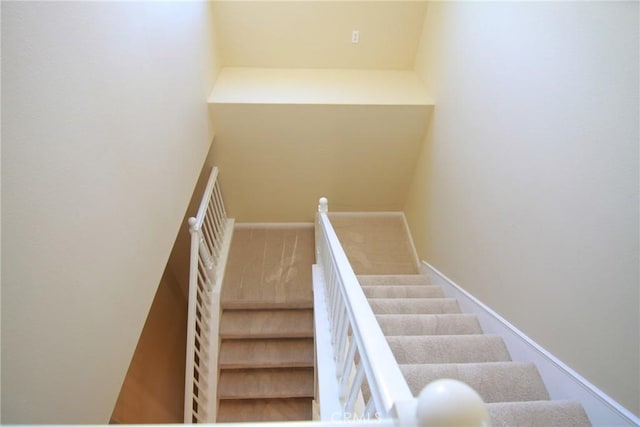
<point>432,339</point>
<point>375,244</point>
<point>266,358</point>
<point>270,267</point>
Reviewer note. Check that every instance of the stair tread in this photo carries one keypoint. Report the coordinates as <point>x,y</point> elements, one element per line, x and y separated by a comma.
<point>448,349</point>
<point>494,381</point>
<point>276,323</point>
<point>377,244</point>
<point>266,383</point>
<point>256,275</point>
<point>266,353</point>
<point>393,279</point>
<point>557,413</point>
<point>429,324</point>
<point>257,410</point>
<point>249,304</point>
<point>403,291</point>
<point>414,305</point>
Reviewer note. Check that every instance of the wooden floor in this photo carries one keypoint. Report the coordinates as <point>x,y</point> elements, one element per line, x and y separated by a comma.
<point>375,244</point>
<point>266,361</point>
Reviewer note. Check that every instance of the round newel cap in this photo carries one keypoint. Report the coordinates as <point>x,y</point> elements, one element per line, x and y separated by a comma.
<point>451,403</point>
<point>323,205</point>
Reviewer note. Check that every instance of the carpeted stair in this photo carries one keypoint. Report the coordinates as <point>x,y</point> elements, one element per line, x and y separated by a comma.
<point>266,361</point>
<point>432,339</point>
<point>266,365</point>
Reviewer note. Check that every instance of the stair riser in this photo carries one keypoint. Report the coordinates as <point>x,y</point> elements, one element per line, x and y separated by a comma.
<point>264,410</point>
<point>495,382</point>
<point>414,305</point>
<point>544,413</point>
<point>429,324</point>
<point>261,324</point>
<point>394,280</point>
<point>403,292</point>
<point>449,349</point>
<point>266,383</point>
<point>282,353</point>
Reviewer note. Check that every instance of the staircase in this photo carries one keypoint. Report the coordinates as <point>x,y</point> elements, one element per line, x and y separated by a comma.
<point>266,365</point>
<point>266,359</point>
<point>432,339</point>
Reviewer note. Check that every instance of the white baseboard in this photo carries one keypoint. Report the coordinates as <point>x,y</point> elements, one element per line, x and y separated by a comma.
<point>412,245</point>
<point>562,382</point>
<point>287,225</point>
<point>372,214</point>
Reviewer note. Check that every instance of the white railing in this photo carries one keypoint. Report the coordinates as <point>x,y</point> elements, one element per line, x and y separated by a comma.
<point>368,382</point>
<point>211,233</point>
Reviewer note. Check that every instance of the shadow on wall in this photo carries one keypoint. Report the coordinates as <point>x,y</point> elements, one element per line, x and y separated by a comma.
<point>153,389</point>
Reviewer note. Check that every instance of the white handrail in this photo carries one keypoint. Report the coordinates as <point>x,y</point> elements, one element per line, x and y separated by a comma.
<point>355,331</point>
<point>211,233</point>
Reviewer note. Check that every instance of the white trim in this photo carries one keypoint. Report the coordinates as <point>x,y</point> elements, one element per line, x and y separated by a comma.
<point>349,307</point>
<point>366,214</point>
<point>224,255</point>
<point>412,244</point>
<point>241,225</point>
<point>328,388</point>
<point>211,233</point>
<point>561,381</point>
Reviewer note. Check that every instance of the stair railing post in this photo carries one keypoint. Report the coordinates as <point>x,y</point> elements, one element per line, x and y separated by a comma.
<point>191,316</point>
<point>348,310</point>
<point>323,207</point>
<point>205,255</point>
<point>211,233</point>
<point>445,403</point>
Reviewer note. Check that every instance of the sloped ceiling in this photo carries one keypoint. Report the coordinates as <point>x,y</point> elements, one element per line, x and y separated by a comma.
<point>317,34</point>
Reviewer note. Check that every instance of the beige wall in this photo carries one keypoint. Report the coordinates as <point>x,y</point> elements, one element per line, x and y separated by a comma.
<point>526,191</point>
<point>317,34</point>
<point>276,161</point>
<point>105,128</point>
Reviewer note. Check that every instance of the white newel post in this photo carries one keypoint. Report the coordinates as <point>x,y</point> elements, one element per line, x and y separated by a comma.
<point>206,256</point>
<point>323,205</point>
<point>450,403</point>
<point>442,403</point>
